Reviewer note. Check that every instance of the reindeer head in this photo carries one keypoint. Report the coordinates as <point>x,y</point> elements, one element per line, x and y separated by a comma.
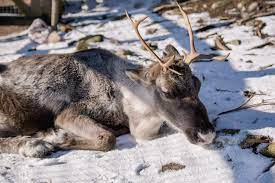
<point>175,89</point>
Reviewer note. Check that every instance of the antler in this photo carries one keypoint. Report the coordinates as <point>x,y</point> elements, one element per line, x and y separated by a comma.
<point>194,55</point>
<point>164,65</point>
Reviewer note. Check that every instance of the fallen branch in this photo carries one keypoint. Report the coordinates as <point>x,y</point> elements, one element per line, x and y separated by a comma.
<point>167,7</point>
<point>222,90</point>
<point>213,26</point>
<point>163,8</point>
<point>252,17</point>
<point>267,168</point>
<point>210,60</point>
<point>269,43</point>
<point>244,106</point>
<point>238,108</point>
<point>248,93</point>
<point>214,121</point>
<point>265,67</point>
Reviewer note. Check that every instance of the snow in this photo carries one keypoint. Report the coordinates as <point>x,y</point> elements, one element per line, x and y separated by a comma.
<point>131,162</point>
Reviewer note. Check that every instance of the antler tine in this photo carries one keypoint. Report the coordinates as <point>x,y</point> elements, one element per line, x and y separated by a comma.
<point>165,66</point>
<point>135,25</point>
<point>189,28</point>
<point>169,62</point>
<point>194,55</point>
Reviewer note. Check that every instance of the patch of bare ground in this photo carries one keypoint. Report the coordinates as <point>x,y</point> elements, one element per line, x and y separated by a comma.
<point>9,29</point>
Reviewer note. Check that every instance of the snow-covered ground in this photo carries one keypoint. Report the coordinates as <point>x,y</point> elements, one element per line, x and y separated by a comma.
<point>222,88</point>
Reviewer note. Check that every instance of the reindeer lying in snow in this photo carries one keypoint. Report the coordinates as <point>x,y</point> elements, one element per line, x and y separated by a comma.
<point>88,97</point>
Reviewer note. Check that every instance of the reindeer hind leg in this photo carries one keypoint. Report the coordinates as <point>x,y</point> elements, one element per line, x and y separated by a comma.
<point>27,146</point>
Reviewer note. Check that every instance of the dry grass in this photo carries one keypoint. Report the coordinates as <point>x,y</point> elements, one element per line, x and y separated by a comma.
<point>172,167</point>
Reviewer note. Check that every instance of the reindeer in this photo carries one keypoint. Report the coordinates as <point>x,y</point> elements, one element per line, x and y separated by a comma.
<point>85,99</point>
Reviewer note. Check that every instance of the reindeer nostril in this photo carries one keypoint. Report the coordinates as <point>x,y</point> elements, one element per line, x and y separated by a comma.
<point>199,137</point>
<point>207,138</point>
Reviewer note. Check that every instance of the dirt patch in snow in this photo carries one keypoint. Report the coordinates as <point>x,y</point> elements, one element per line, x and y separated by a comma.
<point>172,167</point>
<point>9,29</point>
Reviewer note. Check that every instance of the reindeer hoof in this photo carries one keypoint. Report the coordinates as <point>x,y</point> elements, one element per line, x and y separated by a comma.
<point>106,141</point>
<point>36,148</point>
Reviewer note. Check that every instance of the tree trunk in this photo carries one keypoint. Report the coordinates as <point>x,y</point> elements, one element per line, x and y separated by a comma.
<point>24,8</point>
<point>54,13</point>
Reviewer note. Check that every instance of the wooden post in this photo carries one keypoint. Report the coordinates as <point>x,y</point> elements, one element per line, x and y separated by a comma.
<point>54,13</point>
<point>35,8</point>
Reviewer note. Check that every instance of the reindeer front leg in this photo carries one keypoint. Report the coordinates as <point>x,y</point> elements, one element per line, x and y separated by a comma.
<point>86,133</point>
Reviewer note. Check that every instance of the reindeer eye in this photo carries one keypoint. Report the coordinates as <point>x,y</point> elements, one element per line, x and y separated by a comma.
<point>167,94</point>
<point>164,89</point>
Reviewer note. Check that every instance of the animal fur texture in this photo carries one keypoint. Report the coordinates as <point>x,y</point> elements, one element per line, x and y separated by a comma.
<point>84,100</point>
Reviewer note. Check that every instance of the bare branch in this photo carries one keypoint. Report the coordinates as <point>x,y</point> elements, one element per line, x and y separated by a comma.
<point>245,106</point>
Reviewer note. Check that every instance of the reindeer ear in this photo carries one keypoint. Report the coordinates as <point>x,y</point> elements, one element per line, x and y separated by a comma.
<point>139,76</point>
<point>170,50</point>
